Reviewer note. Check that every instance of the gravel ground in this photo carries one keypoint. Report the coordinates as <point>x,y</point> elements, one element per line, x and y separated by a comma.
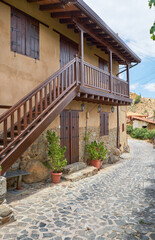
<point>117,203</point>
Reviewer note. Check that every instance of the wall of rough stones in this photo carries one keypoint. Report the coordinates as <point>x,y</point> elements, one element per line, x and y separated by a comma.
<point>33,158</point>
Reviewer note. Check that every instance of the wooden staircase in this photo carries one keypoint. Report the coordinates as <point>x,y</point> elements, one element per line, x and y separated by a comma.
<point>27,119</point>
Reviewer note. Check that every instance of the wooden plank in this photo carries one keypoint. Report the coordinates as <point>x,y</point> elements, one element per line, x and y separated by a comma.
<point>49,7</point>
<point>65,14</point>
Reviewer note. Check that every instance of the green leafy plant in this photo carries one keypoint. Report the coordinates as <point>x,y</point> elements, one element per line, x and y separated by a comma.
<point>129,129</point>
<point>142,133</point>
<point>0,168</point>
<point>56,153</point>
<point>137,99</point>
<point>96,151</point>
<point>152,29</point>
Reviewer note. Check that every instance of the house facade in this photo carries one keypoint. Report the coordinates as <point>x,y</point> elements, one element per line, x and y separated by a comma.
<point>59,68</point>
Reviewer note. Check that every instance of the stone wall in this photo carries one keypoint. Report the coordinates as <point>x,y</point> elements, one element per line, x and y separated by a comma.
<point>6,213</point>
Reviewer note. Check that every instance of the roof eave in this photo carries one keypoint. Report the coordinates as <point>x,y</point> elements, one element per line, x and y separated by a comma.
<point>84,7</point>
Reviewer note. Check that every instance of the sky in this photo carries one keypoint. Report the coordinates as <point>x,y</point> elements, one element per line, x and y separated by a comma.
<point>132,20</point>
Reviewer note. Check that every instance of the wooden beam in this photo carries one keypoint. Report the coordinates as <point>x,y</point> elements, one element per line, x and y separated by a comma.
<point>65,14</point>
<point>48,7</point>
<point>65,20</point>
<point>97,38</point>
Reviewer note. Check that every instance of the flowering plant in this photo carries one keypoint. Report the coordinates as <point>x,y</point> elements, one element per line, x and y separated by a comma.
<point>96,151</point>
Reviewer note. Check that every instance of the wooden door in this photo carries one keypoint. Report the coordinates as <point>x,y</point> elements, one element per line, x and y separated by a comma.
<point>69,134</point>
<point>68,50</point>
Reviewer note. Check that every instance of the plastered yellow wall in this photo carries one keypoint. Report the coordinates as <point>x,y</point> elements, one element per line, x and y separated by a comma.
<point>19,74</point>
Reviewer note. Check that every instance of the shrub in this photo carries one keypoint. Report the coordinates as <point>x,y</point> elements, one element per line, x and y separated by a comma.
<point>142,133</point>
<point>137,99</point>
<point>129,129</point>
<point>56,153</point>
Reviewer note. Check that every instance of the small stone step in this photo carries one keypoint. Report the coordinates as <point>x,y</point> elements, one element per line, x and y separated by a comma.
<point>74,167</point>
<point>76,176</point>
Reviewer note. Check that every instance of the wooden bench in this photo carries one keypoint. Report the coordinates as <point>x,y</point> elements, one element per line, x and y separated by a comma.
<point>18,174</point>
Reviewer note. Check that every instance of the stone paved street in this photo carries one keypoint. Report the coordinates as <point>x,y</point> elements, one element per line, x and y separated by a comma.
<point>117,203</point>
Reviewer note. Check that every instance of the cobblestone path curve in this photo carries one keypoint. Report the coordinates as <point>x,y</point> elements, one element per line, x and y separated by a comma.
<point>117,203</point>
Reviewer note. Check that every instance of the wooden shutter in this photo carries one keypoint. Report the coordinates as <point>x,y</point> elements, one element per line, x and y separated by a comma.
<point>32,38</point>
<point>123,127</point>
<point>17,31</point>
<point>104,123</point>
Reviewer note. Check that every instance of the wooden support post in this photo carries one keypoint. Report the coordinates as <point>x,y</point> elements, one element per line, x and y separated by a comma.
<point>128,79</point>
<point>81,55</point>
<point>110,71</point>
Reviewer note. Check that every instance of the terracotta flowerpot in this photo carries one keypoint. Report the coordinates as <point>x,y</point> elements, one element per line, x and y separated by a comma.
<point>95,163</point>
<point>56,177</point>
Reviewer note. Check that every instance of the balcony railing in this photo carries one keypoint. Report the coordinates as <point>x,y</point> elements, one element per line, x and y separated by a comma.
<point>97,78</point>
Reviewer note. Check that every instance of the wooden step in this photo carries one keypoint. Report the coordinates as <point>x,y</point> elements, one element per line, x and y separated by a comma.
<point>2,139</point>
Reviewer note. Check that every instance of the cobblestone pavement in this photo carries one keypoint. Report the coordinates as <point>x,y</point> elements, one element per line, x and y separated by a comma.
<point>117,203</point>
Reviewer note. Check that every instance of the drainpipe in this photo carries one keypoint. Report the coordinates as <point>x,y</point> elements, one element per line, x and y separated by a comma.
<point>118,143</point>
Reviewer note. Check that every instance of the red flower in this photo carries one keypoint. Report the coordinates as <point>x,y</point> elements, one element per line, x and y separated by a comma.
<point>97,149</point>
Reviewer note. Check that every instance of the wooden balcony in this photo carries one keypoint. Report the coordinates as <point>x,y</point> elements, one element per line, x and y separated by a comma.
<point>97,85</point>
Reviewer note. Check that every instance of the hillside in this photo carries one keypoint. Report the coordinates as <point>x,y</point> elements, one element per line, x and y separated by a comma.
<point>146,106</point>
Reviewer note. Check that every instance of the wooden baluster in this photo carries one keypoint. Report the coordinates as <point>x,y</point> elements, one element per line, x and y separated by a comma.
<point>66,78</point>
<point>5,133</point>
<point>41,100</point>
<point>54,90</point>
<point>12,126</point>
<point>69,76</point>
<point>36,105</point>
<point>45,97</point>
<point>73,73</point>
<point>25,115</point>
<point>62,82</point>
<point>50,93</point>
<point>58,85</point>
<point>30,110</point>
<point>87,82</point>
<point>19,121</point>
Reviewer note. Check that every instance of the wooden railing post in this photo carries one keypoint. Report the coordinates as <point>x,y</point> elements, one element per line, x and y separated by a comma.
<point>128,67</point>
<point>81,55</point>
<point>110,70</point>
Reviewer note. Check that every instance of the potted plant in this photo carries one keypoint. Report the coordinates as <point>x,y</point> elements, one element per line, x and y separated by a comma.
<point>96,153</point>
<point>56,154</point>
<point>0,170</point>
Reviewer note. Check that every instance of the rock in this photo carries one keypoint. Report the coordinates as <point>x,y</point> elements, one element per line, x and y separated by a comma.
<point>2,189</point>
<point>76,176</point>
<point>38,172</point>
<point>5,211</point>
<point>74,167</point>
<point>113,159</point>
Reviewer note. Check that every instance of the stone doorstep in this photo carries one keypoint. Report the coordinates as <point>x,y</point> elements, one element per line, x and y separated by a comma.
<point>83,173</point>
<point>74,167</point>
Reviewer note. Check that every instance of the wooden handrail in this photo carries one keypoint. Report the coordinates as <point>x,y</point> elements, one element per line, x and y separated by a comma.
<point>34,106</point>
<point>35,90</point>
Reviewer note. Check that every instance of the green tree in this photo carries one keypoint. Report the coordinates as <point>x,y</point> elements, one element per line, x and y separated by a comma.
<point>152,29</point>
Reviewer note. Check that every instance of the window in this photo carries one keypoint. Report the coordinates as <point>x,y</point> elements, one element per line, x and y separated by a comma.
<point>123,127</point>
<point>104,123</point>
<point>24,34</point>
<point>103,64</point>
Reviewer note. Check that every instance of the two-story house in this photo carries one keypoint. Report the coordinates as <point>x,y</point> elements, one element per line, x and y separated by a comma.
<point>59,69</point>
